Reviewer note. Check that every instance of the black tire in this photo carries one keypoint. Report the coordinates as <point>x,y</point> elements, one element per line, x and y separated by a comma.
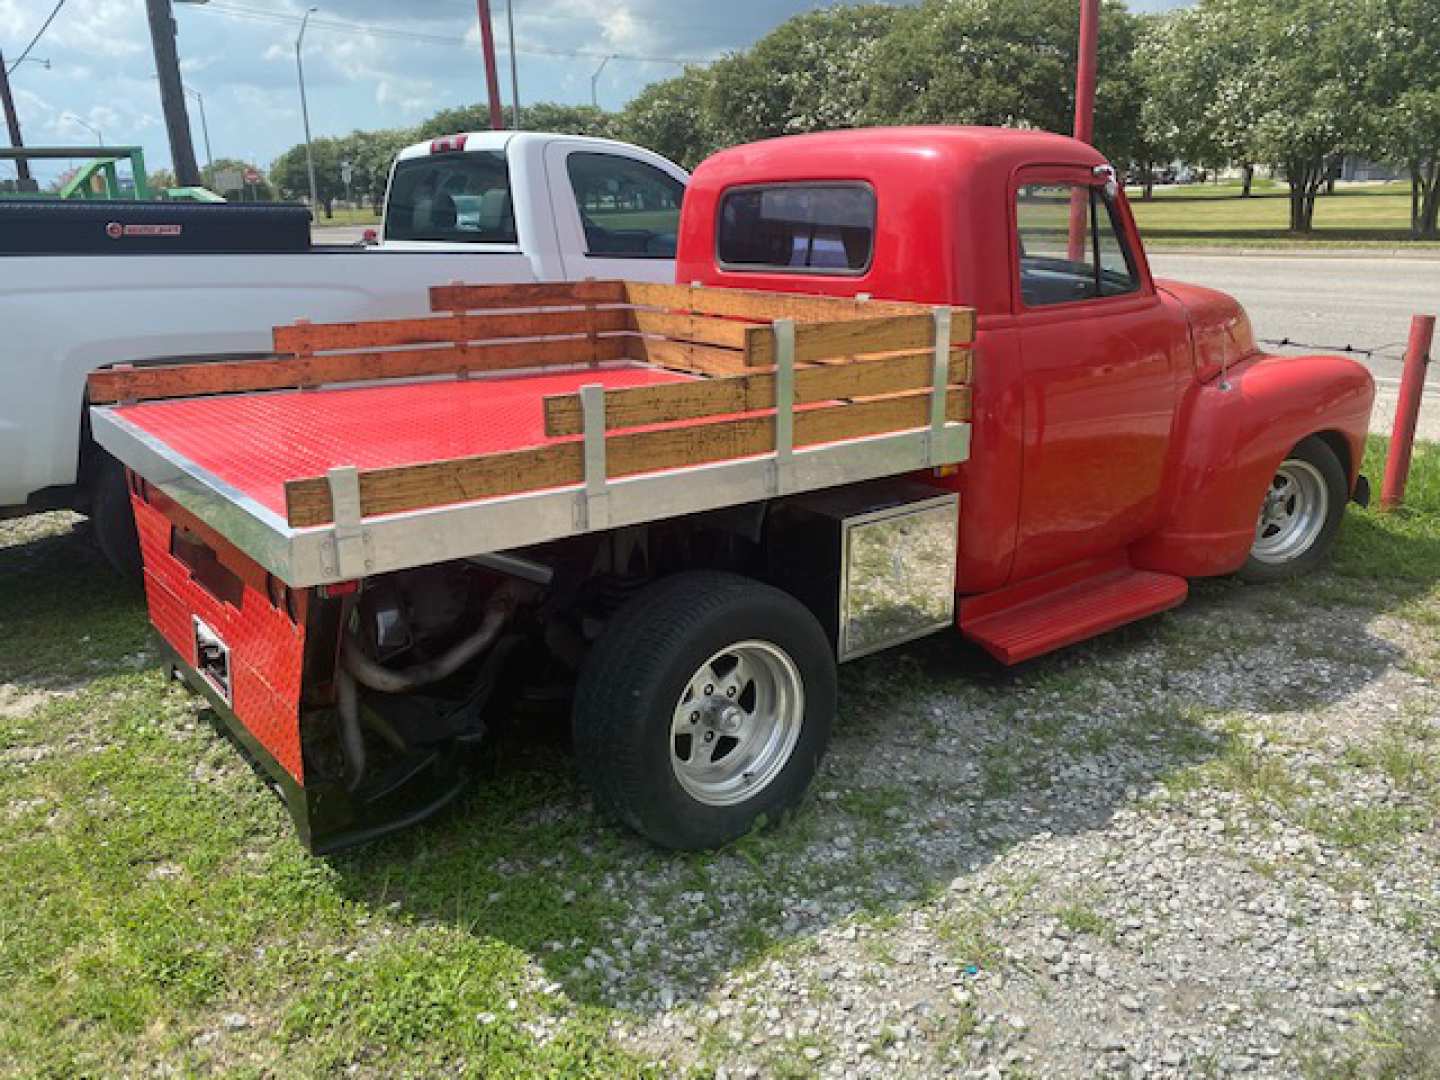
<point>113,520</point>
<point>1310,457</point>
<point>632,682</point>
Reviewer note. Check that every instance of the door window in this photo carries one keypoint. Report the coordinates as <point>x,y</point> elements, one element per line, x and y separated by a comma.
<point>1071,245</point>
<point>461,198</point>
<point>629,209</point>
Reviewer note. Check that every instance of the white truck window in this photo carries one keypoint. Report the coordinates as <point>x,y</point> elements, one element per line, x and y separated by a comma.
<point>459,198</point>
<point>801,228</point>
<point>1051,270</point>
<point>629,209</point>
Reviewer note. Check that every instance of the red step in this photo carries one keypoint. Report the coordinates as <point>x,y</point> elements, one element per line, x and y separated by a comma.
<point>1033,617</point>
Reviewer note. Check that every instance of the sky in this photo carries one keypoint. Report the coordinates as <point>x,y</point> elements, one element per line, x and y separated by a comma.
<point>368,63</point>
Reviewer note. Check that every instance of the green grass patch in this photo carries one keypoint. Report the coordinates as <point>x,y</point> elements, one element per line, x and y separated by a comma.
<point>1207,215</point>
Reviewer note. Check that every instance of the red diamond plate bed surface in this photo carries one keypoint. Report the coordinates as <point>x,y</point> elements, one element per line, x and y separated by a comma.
<point>256,442</point>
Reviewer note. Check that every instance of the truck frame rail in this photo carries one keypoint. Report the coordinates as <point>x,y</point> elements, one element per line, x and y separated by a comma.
<point>750,395</point>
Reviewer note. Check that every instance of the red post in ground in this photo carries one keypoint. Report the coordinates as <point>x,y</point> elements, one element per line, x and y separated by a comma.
<point>1085,74</point>
<point>492,77</point>
<point>1407,412</point>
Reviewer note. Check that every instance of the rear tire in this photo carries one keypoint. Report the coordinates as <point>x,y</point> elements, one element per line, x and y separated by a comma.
<point>113,519</point>
<point>704,707</point>
<point>1300,515</point>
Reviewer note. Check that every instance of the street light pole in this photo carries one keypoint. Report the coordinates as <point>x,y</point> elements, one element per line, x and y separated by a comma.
<point>595,79</point>
<point>205,128</point>
<point>305,111</point>
<point>514,68</point>
<point>99,135</point>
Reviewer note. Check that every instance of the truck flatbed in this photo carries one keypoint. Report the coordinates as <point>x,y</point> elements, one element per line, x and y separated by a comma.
<point>556,410</point>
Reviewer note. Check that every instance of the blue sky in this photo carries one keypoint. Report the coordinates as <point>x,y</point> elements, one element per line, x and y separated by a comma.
<point>368,63</point>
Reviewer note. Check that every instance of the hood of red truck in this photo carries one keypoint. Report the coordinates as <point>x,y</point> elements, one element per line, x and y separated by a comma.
<point>1219,327</point>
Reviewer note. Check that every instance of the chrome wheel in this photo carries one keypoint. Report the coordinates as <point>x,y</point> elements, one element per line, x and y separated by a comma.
<point>736,723</point>
<point>1293,513</point>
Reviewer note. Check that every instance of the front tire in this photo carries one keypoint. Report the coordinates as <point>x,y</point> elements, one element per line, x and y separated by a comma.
<point>1300,515</point>
<point>704,707</point>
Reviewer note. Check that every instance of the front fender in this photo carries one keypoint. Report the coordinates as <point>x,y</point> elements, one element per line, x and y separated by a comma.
<point>1234,433</point>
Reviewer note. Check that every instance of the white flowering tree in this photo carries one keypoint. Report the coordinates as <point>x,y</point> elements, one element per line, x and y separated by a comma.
<point>1405,90</point>
<point>671,118</point>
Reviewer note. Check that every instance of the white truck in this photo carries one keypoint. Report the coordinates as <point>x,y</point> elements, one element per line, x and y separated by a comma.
<point>93,284</point>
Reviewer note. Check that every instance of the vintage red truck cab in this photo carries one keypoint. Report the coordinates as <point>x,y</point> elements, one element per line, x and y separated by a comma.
<point>915,379</point>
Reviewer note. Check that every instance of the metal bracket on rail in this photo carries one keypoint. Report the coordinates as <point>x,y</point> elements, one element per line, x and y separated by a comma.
<point>939,381</point>
<point>782,467</point>
<point>592,505</point>
<point>347,545</point>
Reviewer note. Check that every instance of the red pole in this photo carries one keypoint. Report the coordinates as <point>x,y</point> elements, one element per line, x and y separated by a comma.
<point>1085,69</point>
<point>492,77</point>
<point>1407,412</point>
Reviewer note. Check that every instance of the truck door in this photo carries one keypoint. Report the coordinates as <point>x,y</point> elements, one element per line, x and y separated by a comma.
<point>1098,350</point>
<point>616,216</point>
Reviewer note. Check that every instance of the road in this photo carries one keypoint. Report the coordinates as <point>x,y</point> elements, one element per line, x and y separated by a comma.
<point>1330,301</point>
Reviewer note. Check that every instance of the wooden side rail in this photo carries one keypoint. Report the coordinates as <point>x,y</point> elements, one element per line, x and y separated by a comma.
<point>434,483</point>
<point>637,406</point>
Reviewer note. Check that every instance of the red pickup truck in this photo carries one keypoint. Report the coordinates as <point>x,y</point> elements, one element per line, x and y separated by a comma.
<point>917,378</point>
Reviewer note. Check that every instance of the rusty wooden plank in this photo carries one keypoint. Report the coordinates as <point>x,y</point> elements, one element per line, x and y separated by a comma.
<point>462,297</point>
<point>378,333</point>
<point>190,380</point>
<point>848,337</point>
<point>758,305</point>
<point>435,483</point>
<point>702,329</point>
<point>640,405</point>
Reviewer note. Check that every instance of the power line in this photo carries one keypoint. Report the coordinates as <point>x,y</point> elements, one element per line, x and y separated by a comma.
<point>235,11</point>
<point>38,34</point>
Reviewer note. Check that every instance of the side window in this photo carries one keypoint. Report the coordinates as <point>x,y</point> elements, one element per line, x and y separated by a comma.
<point>815,228</point>
<point>462,197</point>
<point>629,209</point>
<point>1071,246</point>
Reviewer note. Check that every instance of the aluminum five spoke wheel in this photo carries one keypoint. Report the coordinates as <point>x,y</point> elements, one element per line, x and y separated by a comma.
<point>1293,513</point>
<point>1299,514</point>
<point>736,723</point>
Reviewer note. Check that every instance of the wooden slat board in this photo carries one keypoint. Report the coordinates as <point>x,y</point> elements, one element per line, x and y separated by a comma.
<point>852,337</point>
<point>461,297</point>
<point>376,334</point>
<point>190,380</point>
<point>412,487</point>
<point>760,306</point>
<point>687,356</point>
<point>636,406</point>
<point>703,329</point>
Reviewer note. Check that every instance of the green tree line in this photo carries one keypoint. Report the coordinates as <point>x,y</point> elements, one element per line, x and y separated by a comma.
<point>1292,84</point>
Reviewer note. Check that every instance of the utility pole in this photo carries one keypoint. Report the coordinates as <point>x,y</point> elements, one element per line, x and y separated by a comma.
<point>12,122</point>
<point>305,112</point>
<point>514,68</point>
<point>492,77</point>
<point>172,97</point>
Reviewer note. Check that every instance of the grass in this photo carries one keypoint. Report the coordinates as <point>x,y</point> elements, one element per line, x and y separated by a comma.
<point>346,216</point>
<point>1211,215</point>
<point>156,913</point>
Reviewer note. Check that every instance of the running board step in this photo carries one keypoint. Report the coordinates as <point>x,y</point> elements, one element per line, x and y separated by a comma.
<point>1034,617</point>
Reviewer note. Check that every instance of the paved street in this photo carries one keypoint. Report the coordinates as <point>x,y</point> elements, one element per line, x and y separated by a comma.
<point>1335,301</point>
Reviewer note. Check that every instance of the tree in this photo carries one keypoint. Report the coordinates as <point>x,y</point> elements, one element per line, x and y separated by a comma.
<point>542,116</point>
<point>1002,62</point>
<point>211,176</point>
<point>811,73</point>
<point>370,154</point>
<point>1310,114</point>
<point>1405,92</point>
<point>671,118</point>
<point>290,173</point>
<point>160,179</point>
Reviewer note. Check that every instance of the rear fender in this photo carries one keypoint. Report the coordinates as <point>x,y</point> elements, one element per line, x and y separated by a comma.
<point>1234,433</point>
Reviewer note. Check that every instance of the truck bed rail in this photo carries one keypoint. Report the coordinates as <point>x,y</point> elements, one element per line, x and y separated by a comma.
<point>766,394</point>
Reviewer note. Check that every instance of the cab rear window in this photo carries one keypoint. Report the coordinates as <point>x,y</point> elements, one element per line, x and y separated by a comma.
<point>459,198</point>
<point>797,228</point>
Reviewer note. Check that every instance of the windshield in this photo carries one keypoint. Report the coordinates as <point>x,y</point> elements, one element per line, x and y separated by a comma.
<point>458,197</point>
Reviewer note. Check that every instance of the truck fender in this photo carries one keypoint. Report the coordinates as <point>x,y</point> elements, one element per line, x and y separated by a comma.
<point>1234,432</point>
